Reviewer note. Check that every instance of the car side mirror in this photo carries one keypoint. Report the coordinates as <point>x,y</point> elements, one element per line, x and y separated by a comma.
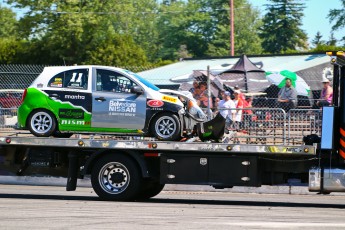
<point>137,90</point>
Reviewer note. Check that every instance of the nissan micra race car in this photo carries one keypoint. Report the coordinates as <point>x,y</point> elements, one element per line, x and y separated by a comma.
<point>99,99</point>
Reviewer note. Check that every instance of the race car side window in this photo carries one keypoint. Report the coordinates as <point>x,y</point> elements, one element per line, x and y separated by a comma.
<point>76,78</point>
<point>112,81</point>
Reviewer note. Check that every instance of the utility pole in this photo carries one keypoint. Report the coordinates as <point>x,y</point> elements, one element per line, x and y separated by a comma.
<point>232,40</point>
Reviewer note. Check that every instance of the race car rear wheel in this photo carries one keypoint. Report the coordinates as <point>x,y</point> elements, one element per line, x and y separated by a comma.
<point>166,127</point>
<point>42,123</point>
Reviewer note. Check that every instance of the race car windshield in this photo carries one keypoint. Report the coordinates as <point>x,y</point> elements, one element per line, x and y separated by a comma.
<point>144,81</point>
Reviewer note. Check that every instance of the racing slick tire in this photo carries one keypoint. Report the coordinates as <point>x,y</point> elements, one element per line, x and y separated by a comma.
<point>116,178</point>
<point>42,123</point>
<point>166,127</point>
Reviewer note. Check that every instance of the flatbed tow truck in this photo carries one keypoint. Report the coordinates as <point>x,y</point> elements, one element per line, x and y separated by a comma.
<point>131,168</point>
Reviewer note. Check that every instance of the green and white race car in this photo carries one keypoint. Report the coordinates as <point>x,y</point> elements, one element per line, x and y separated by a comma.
<point>100,99</point>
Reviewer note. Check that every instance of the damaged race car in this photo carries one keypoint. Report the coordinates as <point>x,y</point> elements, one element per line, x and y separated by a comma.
<point>108,100</point>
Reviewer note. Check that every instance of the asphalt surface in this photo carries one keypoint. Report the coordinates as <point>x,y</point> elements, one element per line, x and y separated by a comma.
<point>51,207</point>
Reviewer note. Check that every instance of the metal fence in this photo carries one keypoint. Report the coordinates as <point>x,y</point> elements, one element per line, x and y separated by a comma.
<point>273,126</point>
<point>263,126</point>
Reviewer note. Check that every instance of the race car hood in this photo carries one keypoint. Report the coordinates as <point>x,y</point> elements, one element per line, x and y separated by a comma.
<point>185,94</point>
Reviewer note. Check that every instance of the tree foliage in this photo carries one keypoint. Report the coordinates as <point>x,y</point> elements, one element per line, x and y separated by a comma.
<point>246,24</point>
<point>148,32</point>
<point>281,27</point>
<point>317,39</point>
<point>74,31</point>
<point>337,15</point>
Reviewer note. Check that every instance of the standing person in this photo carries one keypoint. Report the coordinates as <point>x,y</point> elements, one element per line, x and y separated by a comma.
<point>195,90</point>
<point>326,94</point>
<point>227,108</point>
<point>287,96</point>
<point>239,105</point>
<point>241,95</point>
<point>203,99</point>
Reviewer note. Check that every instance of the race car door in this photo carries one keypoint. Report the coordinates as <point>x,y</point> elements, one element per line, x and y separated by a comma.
<point>113,105</point>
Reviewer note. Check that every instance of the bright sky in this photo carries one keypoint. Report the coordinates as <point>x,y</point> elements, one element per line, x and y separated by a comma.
<point>315,17</point>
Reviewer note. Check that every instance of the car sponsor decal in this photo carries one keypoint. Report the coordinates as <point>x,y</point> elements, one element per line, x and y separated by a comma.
<point>169,99</point>
<point>122,107</point>
<point>75,97</point>
<point>71,113</point>
<point>79,100</point>
<point>72,122</point>
<point>155,103</point>
<point>56,83</point>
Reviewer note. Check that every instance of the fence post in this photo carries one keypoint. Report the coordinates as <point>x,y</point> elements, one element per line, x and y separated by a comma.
<point>209,112</point>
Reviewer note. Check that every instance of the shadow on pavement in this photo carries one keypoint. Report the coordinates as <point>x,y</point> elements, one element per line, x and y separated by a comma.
<point>179,201</point>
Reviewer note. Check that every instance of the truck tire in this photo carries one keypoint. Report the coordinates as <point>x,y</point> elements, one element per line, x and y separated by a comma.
<point>116,178</point>
<point>150,189</point>
<point>42,123</point>
<point>166,127</point>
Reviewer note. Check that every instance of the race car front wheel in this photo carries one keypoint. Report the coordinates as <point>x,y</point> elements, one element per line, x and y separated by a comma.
<point>42,123</point>
<point>166,127</point>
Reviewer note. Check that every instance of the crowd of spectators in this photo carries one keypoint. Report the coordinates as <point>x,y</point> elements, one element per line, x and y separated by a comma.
<point>232,104</point>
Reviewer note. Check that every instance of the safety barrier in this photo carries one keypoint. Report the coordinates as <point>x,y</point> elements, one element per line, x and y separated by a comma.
<point>271,126</point>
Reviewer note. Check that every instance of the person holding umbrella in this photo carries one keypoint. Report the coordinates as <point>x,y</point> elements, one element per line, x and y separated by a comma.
<point>287,96</point>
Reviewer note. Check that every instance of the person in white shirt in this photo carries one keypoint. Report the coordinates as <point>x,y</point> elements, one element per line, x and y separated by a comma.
<point>227,108</point>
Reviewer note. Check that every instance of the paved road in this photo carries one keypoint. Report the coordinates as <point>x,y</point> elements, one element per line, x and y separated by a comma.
<point>48,207</point>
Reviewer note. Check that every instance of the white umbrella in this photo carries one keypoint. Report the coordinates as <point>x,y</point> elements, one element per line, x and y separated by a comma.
<point>279,78</point>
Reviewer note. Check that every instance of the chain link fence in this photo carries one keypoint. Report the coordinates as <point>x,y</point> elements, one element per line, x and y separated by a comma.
<point>266,123</point>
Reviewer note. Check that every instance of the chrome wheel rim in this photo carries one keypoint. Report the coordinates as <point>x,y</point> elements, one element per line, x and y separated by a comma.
<point>114,178</point>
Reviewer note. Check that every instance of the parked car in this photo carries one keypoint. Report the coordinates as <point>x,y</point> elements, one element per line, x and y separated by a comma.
<point>10,99</point>
<point>99,99</point>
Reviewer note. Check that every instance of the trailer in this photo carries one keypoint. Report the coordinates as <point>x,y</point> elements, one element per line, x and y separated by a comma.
<point>125,168</point>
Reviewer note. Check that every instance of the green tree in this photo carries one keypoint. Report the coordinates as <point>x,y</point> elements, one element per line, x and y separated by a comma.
<point>72,31</point>
<point>246,23</point>
<point>337,15</point>
<point>317,39</point>
<point>10,44</point>
<point>332,40</point>
<point>183,23</point>
<point>281,27</point>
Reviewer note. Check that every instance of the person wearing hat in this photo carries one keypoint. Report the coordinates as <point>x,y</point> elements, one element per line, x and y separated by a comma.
<point>326,93</point>
<point>226,108</point>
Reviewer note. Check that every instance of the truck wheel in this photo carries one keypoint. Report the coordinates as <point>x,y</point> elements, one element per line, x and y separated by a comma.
<point>116,177</point>
<point>150,189</point>
<point>166,127</point>
<point>42,123</point>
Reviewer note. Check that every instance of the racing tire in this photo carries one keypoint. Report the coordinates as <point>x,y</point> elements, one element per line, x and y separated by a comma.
<point>150,189</point>
<point>116,178</point>
<point>166,127</point>
<point>42,123</point>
